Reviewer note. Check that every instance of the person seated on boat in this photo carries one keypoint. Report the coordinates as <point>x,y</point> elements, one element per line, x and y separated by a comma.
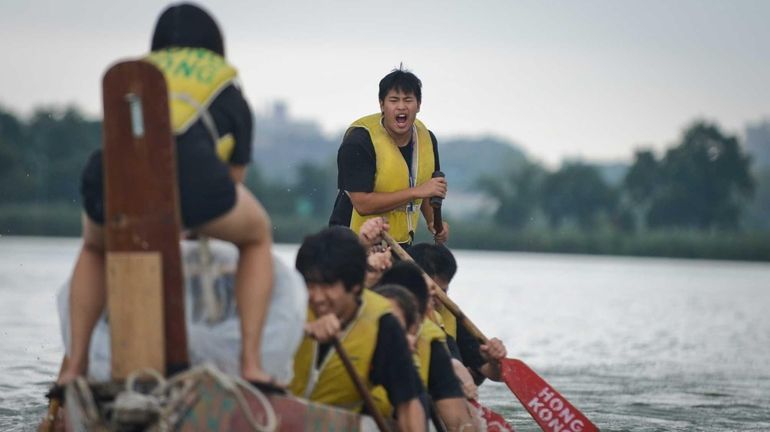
<point>432,357</point>
<point>483,361</point>
<point>404,307</point>
<point>385,163</point>
<point>333,263</point>
<point>211,119</point>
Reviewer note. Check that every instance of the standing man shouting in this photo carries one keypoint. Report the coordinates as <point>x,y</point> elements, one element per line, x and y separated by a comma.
<point>385,164</point>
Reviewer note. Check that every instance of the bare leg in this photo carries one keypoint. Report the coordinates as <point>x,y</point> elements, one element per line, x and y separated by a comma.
<point>247,225</point>
<point>86,301</point>
<point>455,414</point>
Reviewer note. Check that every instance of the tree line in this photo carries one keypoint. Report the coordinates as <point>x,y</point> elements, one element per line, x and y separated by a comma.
<point>702,183</point>
<point>42,157</point>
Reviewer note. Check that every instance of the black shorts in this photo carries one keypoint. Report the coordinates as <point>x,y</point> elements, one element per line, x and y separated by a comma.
<point>206,190</point>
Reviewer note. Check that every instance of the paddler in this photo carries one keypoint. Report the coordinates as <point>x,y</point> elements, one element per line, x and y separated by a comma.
<point>333,263</point>
<point>213,130</point>
<point>483,361</point>
<point>432,357</point>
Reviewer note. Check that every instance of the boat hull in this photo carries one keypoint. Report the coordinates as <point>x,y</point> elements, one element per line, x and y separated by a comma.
<point>207,405</point>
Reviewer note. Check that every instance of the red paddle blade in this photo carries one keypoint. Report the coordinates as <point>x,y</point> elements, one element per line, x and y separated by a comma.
<point>547,406</point>
<point>494,421</point>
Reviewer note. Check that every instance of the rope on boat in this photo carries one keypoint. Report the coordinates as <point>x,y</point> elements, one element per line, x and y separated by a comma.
<point>86,398</point>
<point>169,395</point>
<point>229,383</point>
<point>213,310</point>
<point>133,407</point>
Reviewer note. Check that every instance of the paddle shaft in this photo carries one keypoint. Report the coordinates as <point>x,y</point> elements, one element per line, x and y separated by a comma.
<point>368,401</point>
<point>49,423</point>
<point>438,224</point>
<point>445,300</point>
<point>435,203</point>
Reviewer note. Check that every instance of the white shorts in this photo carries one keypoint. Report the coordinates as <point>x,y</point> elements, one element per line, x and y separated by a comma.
<point>213,327</point>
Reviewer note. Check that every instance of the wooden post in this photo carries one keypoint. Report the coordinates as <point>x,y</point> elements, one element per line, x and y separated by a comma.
<point>142,223</point>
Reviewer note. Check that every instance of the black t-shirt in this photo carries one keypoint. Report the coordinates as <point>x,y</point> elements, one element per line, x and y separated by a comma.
<point>470,351</point>
<point>392,366</point>
<point>356,167</point>
<point>454,350</point>
<point>442,381</point>
<point>232,115</point>
<point>470,348</point>
<point>467,349</point>
<point>206,190</point>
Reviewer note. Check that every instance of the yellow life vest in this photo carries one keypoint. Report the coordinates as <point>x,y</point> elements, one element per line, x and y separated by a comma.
<point>428,333</point>
<point>330,383</point>
<point>195,77</point>
<point>446,321</point>
<point>381,401</point>
<point>392,174</point>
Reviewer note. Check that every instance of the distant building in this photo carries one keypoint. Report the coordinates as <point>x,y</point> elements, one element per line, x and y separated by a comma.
<point>468,205</point>
<point>758,143</point>
<point>283,143</point>
<point>280,112</point>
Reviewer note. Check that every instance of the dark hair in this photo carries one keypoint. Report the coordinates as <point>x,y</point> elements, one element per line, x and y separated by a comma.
<point>436,260</point>
<point>409,276</point>
<point>404,298</point>
<point>401,79</point>
<point>187,25</point>
<point>331,255</point>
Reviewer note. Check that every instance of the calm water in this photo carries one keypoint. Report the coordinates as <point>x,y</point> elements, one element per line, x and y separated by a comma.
<point>636,344</point>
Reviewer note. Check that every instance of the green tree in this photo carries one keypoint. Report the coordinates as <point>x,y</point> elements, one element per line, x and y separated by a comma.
<point>758,213</point>
<point>277,197</point>
<point>518,194</point>
<point>14,184</point>
<point>641,180</point>
<point>315,189</point>
<point>576,192</point>
<point>59,143</point>
<point>701,183</point>
<point>43,157</point>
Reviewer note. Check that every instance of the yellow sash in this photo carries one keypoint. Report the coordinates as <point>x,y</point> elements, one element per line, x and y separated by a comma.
<point>195,76</point>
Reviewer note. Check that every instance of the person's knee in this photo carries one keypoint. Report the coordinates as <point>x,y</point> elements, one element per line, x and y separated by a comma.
<point>93,236</point>
<point>258,226</point>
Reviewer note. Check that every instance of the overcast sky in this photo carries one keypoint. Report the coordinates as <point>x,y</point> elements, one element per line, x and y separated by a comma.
<point>591,79</point>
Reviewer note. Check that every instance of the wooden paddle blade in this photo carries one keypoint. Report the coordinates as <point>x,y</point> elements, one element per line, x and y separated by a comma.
<point>547,406</point>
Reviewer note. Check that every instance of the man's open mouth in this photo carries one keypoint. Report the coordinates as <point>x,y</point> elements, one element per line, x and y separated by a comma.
<point>401,119</point>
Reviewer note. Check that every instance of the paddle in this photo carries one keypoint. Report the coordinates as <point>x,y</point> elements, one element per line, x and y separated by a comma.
<point>436,202</point>
<point>55,396</point>
<point>547,406</point>
<point>368,401</point>
<point>495,422</point>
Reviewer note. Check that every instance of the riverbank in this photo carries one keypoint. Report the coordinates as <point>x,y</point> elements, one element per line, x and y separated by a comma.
<point>62,219</point>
